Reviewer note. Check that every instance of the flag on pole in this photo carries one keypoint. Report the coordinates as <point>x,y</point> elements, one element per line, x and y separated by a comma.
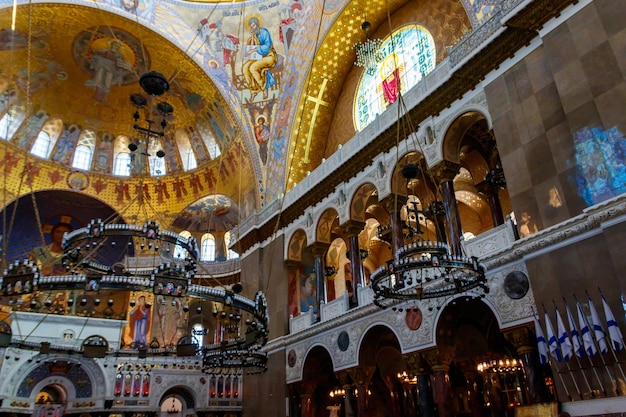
<point>563,337</point>
<point>590,347</point>
<point>598,330</point>
<point>552,340</point>
<point>542,347</point>
<point>576,342</point>
<point>615,333</point>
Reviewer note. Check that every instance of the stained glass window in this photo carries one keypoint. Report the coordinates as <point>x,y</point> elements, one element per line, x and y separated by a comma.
<point>404,58</point>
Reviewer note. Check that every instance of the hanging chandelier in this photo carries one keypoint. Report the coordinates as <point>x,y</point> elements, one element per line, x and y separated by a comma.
<point>91,260</point>
<point>147,138</point>
<point>368,52</point>
<point>423,268</point>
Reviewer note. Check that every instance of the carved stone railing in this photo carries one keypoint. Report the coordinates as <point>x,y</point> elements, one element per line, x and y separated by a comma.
<point>335,308</point>
<point>491,241</point>
<point>301,322</point>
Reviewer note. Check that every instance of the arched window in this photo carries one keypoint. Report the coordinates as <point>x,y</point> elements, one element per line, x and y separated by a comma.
<point>405,57</point>
<point>121,166</point>
<point>11,121</point>
<point>230,254</point>
<point>209,138</point>
<point>186,152</point>
<point>84,150</point>
<point>157,164</point>
<point>207,253</point>
<point>179,252</point>
<point>121,157</point>
<point>42,145</point>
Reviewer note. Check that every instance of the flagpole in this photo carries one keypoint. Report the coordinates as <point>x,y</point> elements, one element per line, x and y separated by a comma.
<point>566,360</point>
<point>595,344</point>
<point>544,356</point>
<point>612,347</point>
<point>593,367</point>
<point>551,339</point>
<point>573,354</point>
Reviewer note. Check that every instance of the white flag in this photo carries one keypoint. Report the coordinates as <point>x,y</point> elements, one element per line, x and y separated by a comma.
<point>576,342</point>
<point>614,332</point>
<point>542,347</point>
<point>585,333</point>
<point>563,337</point>
<point>598,330</point>
<point>552,340</point>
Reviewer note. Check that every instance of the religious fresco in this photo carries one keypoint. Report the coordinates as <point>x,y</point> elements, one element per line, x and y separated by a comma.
<point>256,54</point>
<point>211,213</point>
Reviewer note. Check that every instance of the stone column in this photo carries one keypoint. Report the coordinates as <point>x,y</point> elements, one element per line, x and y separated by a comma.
<point>352,228</point>
<point>489,189</point>
<point>439,360</point>
<point>393,204</point>
<point>444,172</point>
<point>346,385</point>
<point>362,375</point>
<point>524,341</point>
<point>475,402</point>
<point>318,250</point>
<point>307,407</point>
<point>418,365</point>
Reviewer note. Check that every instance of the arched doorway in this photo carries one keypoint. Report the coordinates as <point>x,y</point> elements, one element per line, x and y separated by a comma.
<point>176,402</point>
<point>485,374</point>
<point>50,401</point>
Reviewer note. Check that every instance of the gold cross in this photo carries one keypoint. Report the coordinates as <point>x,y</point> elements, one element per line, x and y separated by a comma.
<point>318,102</point>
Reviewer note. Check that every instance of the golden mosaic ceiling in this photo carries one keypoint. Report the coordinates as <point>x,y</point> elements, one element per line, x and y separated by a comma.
<point>53,71</point>
<point>61,76</point>
<point>333,61</point>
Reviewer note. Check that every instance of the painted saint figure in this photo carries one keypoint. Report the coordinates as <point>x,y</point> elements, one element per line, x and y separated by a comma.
<point>260,57</point>
<point>139,319</point>
<point>48,257</point>
<point>110,67</point>
<point>262,134</point>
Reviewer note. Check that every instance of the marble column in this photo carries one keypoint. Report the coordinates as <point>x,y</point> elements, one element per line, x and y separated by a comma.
<point>318,250</point>
<point>346,385</point>
<point>444,172</point>
<point>439,360</point>
<point>393,204</point>
<point>362,375</point>
<point>418,366</point>
<point>352,229</point>
<point>489,189</point>
<point>523,339</point>
<point>307,407</point>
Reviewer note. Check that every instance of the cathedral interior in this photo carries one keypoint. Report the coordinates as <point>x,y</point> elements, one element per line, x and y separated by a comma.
<point>307,208</point>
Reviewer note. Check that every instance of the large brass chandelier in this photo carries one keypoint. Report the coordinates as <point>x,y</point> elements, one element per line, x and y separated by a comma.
<point>173,276</point>
<point>424,268</point>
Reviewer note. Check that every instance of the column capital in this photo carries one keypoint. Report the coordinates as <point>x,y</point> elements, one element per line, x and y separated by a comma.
<point>417,363</point>
<point>439,358</point>
<point>521,338</point>
<point>318,248</point>
<point>393,202</point>
<point>352,227</point>
<point>445,171</point>
<point>292,263</point>
<point>361,375</point>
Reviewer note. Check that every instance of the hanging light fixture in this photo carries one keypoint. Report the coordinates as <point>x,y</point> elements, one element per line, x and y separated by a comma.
<point>368,52</point>
<point>422,268</point>
<point>154,84</point>
<point>85,254</point>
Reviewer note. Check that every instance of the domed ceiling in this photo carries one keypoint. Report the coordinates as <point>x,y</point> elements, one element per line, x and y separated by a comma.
<point>73,78</point>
